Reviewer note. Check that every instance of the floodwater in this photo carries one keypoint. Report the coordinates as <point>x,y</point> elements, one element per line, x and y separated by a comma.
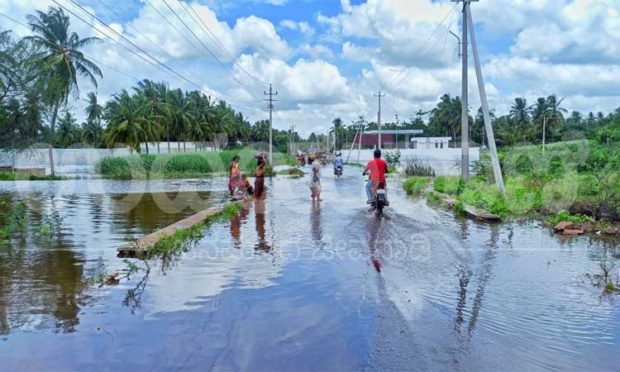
<point>288,285</point>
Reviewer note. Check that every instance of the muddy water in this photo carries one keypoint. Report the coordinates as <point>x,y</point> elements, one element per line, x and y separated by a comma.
<point>290,285</point>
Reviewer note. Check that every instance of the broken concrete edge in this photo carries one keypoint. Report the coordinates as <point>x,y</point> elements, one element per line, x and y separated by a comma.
<point>472,212</point>
<point>139,248</point>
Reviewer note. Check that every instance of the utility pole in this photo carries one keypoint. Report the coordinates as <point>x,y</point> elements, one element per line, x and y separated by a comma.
<point>290,140</point>
<point>379,96</point>
<point>544,134</point>
<point>271,94</point>
<point>464,98</point>
<point>359,148</point>
<point>354,140</point>
<point>497,171</point>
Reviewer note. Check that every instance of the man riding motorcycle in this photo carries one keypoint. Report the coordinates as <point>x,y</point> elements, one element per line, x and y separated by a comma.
<point>377,168</point>
<point>338,164</point>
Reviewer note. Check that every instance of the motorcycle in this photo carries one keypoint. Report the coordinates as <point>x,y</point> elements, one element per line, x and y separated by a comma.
<point>338,171</point>
<point>379,201</point>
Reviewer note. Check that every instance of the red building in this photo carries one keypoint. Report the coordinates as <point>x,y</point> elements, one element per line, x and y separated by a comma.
<point>390,139</point>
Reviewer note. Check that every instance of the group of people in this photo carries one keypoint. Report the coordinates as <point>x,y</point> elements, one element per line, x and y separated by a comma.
<point>376,169</point>
<point>239,184</point>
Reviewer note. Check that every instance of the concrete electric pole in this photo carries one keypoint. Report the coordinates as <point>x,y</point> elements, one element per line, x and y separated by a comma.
<point>468,28</point>
<point>271,94</point>
<point>379,96</point>
<point>464,98</point>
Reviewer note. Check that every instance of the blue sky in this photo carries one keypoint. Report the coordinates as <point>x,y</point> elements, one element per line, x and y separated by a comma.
<point>327,57</point>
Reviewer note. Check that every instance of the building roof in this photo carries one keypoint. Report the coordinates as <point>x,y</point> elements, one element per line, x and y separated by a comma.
<point>424,139</point>
<point>395,131</point>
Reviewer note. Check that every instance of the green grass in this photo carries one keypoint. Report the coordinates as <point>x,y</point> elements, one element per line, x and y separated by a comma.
<point>181,240</point>
<point>183,165</point>
<point>580,178</point>
<point>415,185</point>
<point>10,176</point>
<point>566,216</point>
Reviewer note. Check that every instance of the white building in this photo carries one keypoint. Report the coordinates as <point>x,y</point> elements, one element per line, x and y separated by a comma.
<point>430,142</point>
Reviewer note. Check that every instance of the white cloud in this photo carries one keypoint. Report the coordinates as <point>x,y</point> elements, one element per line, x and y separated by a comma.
<point>408,32</point>
<point>303,27</point>
<point>317,51</point>
<point>583,32</point>
<point>305,81</point>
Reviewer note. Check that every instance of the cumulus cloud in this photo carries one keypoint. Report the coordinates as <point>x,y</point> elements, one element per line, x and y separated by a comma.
<point>583,31</point>
<point>411,32</point>
<point>310,82</point>
<point>303,27</point>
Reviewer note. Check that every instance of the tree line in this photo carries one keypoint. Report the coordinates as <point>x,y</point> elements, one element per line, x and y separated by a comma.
<point>524,123</point>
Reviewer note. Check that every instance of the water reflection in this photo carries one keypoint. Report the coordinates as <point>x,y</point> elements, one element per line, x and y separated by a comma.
<point>259,216</point>
<point>46,273</point>
<point>375,242</point>
<point>41,277</point>
<point>315,224</point>
<point>235,225</point>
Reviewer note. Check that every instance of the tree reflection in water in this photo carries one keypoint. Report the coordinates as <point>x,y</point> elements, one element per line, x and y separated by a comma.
<point>133,297</point>
<point>41,278</point>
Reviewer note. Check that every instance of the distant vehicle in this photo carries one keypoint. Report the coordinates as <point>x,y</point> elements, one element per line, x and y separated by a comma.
<point>322,156</point>
<point>338,171</point>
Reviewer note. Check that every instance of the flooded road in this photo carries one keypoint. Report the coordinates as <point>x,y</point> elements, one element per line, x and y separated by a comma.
<point>288,285</point>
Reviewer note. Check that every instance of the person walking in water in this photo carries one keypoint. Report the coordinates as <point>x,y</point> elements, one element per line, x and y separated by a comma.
<point>259,174</point>
<point>315,184</point>
<point>234,174</point>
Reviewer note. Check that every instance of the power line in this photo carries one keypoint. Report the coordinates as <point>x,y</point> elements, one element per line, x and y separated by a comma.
<point>168,68</point>
<point>170,23</point>
<point>135,29</point>
<point>397,80</point>
<point>203,44</point>
<point>212,35</point>
<point>127,48</point>
<point>14,20</point>
<point>88,56</point>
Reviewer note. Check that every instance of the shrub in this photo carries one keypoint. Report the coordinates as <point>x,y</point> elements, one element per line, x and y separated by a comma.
<point>556,165</point>
<point>564,215</point>
<point>448,184</point>
<point>459,209</point>
<point>416,167</point>
<point>392,158</point>
<point>415,185</point>
<point>524,164</point>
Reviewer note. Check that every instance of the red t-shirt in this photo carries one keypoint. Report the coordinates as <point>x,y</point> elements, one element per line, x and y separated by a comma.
<point>378,168</point>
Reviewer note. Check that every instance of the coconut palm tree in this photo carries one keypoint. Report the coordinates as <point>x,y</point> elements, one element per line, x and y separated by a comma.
<point>555,115</point>
<point>68,132</point>
<point>93,111</point>
<point>60,61</point>
<point>179,115</point>
<point>520,113</point>
<point>159,109</point>
<point>128,122</point>
<point>446,117</point>
<point>92,133</point>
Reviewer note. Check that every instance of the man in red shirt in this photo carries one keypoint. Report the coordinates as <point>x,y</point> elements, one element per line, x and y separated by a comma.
<point>378,168</point>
